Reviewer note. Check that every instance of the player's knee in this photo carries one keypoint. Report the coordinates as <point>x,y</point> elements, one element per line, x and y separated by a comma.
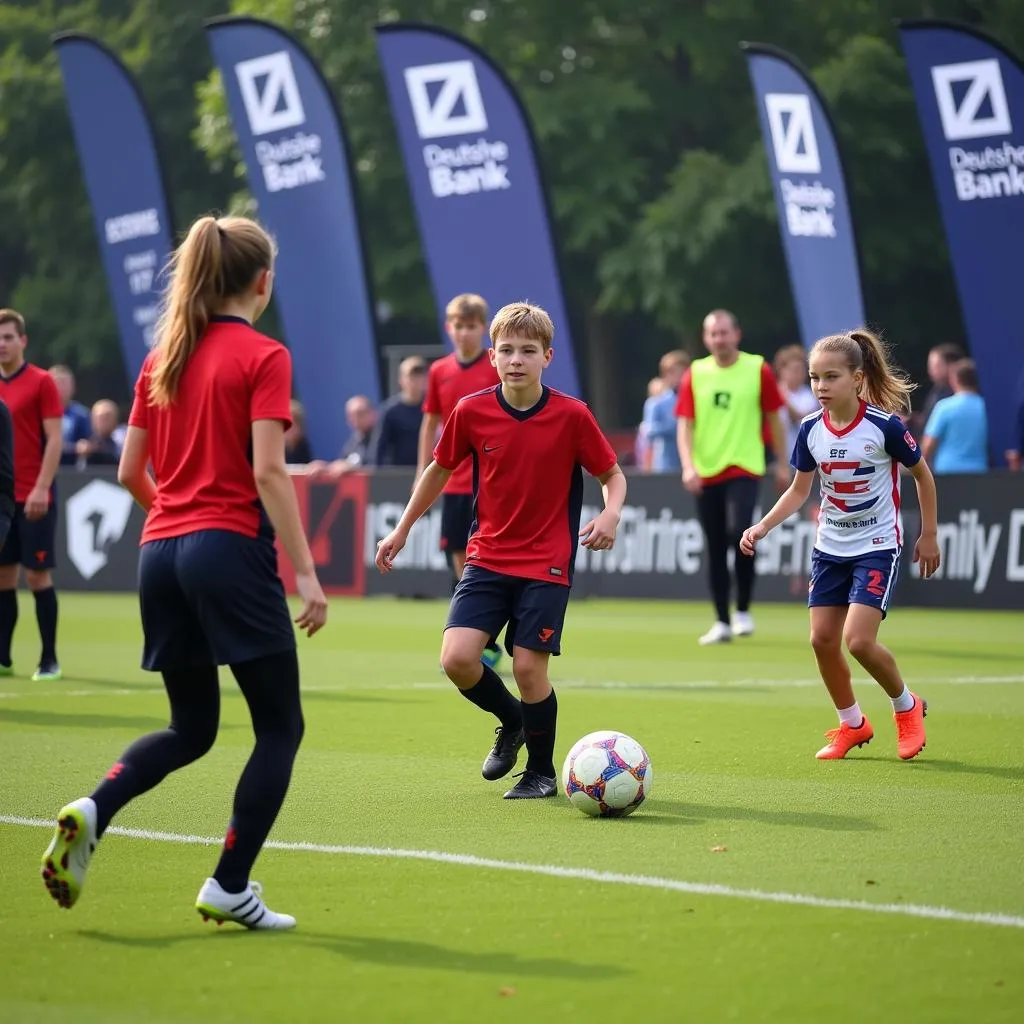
<point>825,641</point>
<point>860,645</point>
<point>530,669</point>
<point>38,580</point>
<point>197,739</point>
<point>8,577</point>
<point>461,665</point>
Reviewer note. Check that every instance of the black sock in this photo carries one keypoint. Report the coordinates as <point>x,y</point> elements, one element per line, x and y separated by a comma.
<point>490,694</point>
<point>46,616</point>
<point>539,726</point>
<point>8,620</point>
<point>195,712</point>
<point>270,686</point>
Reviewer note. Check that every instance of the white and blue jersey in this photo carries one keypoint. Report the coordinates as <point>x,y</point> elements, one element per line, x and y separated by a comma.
<point>858,468</point>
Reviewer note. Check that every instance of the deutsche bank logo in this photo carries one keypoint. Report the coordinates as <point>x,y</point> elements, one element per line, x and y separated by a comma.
<point>453,106</point>
<point>792,128</point>
<point>270,93</point>
<point>982,110</point>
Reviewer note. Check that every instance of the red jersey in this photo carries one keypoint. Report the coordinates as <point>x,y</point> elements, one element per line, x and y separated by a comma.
<point>526,464</point>
<point>448,380</point>
<point>771,401</point>
<point>32,396</point>
<point>200,446</point>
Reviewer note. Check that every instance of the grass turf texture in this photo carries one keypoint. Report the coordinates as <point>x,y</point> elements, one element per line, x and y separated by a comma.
<point>391,760</point>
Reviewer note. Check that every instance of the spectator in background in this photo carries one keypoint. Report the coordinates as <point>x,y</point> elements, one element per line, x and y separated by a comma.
<point>958,426</point>
<point>642,448</point>
<point>1015,454</point>
<point>76,424</point>
<point>660,414</point>
<point>361,418</point>
<point>101,447</point>
<point>296,445</point>
<point>790,366</point>
<point>940,363</point>
<point>396,439</point>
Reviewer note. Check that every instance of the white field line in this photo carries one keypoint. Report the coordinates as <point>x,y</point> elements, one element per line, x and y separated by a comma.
<point>568,684</point>
<point>581,874</point>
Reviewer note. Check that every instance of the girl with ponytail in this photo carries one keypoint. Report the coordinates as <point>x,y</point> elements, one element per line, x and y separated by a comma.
<point>855,444</point>
<point>212,404</point>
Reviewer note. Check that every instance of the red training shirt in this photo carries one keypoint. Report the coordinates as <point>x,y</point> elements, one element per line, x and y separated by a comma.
<point>448,380</point>
<point>526,465</point>
<point>200,446</point>
<point>32,396</point>
<point>771,401</point>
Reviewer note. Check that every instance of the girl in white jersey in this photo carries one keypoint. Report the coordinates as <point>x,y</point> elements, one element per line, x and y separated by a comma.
<point>855,444</point>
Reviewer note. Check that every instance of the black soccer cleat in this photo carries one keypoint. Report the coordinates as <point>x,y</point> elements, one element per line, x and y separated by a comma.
<point>502,758</point>
<point>532,786</point>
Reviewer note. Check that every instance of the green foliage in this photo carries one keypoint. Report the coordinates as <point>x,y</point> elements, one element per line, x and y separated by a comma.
<point>648,134</point>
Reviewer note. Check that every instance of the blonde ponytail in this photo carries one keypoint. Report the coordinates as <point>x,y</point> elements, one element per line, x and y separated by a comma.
<point>885,386</point>
<point>217,260</point>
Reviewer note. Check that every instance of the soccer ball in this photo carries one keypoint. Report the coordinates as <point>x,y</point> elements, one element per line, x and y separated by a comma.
<point>607,775</point>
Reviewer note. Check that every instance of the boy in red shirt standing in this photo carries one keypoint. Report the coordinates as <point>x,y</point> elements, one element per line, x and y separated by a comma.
<point>461,373</point>
<point>528,444</point>
<point>37,415</point>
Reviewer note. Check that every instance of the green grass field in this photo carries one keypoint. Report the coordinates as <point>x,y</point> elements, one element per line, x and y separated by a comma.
<point>757,884</point>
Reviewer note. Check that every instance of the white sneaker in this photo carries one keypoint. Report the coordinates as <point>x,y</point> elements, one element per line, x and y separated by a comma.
<point>244,908</point>
<point>67,857</point>
<point>742,624</point>
<point>719,633</point>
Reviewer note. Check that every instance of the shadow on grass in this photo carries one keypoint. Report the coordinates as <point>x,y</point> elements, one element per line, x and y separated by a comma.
<point>696,813</point>
<point>387,952</point>
<point>85,720</point>
<point>928,765</point>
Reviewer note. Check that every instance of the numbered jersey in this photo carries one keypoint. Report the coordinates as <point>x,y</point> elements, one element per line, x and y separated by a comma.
<point>858,467</point>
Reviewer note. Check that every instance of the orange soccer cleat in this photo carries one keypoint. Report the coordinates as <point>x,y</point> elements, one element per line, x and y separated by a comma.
<point>842,740</point>
<point>910,728</point>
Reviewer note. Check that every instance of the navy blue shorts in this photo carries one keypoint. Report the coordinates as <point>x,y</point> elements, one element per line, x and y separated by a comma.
<point>31,542</point>
<point>533,609</point>
<point>863,579</point>
<point>456,521</point>
<point>212,597</point>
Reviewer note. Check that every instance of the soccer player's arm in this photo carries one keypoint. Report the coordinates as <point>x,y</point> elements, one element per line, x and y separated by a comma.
<point>901,446</point>
<point>934,430</point>
<point>430,423</point>
<point>270,415</point>
<point>685,416</point>
<point>132,470</point>
<point>771,404</point>
<point>6,465</point>
<point>598,458</point>
<point>52,415</point>
<point>791,499</point>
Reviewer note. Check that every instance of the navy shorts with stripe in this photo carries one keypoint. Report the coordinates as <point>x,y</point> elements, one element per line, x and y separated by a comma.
<point>861,579</point>
<point>534,610</point>
<point>31,542</point>
<point>212,597</point>
<point>456,521</point>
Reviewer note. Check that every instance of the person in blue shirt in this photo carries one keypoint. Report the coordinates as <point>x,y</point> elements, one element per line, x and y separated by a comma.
<point>76,424</point>
<point>660,414</point>
<point>956,434</point>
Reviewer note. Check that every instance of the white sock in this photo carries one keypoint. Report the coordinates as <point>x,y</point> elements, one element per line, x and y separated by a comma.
<point>851,716</point>
<point>904,702</point>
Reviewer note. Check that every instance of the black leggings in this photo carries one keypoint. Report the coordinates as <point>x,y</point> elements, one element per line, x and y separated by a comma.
<point>726,510</point>
<point>270,686</point>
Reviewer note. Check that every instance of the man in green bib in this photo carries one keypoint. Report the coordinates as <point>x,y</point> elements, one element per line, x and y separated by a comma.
<point>725,401</point>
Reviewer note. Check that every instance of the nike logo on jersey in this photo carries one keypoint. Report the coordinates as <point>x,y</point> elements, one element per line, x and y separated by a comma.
<point>491,448</point>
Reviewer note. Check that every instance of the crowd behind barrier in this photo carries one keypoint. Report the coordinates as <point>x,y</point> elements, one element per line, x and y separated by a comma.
<point>659,552</point>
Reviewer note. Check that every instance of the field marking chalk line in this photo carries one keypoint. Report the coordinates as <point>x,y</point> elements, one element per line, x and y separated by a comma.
<point>582,874</point>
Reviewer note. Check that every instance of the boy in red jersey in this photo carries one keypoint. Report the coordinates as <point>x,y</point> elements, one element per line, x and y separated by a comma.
<point>527,443</point>
<point>37,415</point>
<point>463,372</point>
